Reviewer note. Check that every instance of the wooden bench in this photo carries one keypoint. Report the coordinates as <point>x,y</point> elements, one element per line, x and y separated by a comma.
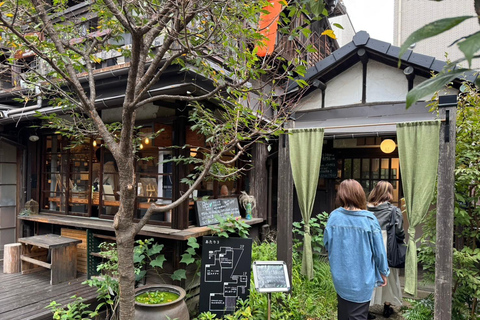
<point>51,251</point>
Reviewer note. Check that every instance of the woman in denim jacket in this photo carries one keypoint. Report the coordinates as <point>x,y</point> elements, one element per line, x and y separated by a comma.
<point>357,256</point>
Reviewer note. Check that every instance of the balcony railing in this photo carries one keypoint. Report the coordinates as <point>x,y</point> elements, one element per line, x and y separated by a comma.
<point>297,48</point>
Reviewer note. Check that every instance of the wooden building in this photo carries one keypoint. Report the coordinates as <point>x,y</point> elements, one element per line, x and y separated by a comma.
<point>77,188</point>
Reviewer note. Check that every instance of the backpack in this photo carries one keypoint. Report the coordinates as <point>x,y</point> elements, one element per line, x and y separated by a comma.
<point>396,248</point>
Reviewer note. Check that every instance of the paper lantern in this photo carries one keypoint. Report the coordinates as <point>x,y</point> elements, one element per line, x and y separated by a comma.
<point>388,146</point>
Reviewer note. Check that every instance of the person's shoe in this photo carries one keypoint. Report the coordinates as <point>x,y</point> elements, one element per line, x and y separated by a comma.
<point>371,316</point>
<point>387,310</point>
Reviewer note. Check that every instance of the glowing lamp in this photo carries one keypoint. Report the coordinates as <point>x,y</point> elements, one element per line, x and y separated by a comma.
<point>388,146</point>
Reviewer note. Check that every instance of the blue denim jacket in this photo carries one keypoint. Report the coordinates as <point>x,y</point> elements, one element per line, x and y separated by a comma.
<point>356,253</point>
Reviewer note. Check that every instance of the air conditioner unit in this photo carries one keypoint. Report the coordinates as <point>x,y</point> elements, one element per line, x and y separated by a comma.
<point>121,60</point>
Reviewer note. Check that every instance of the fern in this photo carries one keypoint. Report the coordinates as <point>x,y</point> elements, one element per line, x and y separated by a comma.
<point>420,310</point>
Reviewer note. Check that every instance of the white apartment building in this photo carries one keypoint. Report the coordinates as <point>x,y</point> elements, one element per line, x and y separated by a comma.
<point>411,15</point>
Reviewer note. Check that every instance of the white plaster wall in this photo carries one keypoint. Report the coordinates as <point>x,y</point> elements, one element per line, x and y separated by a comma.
<point>311,102</point>
<point>385,83</point>
<point>346,35</point>
<point>345,89</point>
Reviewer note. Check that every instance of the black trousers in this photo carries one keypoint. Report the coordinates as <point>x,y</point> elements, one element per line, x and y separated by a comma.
<point>348,310</point>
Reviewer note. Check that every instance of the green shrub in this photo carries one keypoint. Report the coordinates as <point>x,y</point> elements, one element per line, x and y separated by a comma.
<point>314,299</point>
<point>421,309</point>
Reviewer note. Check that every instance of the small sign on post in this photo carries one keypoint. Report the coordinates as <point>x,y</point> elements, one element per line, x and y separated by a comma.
<point>271,276</point>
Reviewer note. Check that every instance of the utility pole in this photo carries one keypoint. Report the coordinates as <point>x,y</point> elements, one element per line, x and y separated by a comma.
<point>445,209</point>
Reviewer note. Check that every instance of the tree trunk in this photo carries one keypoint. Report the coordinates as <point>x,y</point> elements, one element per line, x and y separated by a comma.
<point>125,244</point>
<point>125,234</point>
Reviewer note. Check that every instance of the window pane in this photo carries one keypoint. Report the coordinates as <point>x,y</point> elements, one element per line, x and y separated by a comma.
<point>366,186</point>
<point>384,169</point>
<point>7,217</point>
<point>339,168</point>
<point>375,169</point>
<point>365,168</point>
<point>356,168</point>
<point>54,201</point>
<point>8,153</point>
<point>347,170</point>
<point>8,173</point>
<point>8,195</point>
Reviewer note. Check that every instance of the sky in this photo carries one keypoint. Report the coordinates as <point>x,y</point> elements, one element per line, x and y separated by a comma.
<point>373,16</point>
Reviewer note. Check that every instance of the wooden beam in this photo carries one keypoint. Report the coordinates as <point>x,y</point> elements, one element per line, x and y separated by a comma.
<point>284,205</point>
<point>445,210</point>
<point>259,180</point>
<point>180,213</point>
<point>37,262</point>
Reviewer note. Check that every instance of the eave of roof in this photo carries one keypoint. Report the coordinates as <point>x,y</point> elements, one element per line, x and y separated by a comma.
<point>346,56</point>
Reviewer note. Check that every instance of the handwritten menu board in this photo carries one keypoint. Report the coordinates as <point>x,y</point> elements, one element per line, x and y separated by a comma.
<point>328,166</point>
<point>207,210</point>
<point>271,276</point>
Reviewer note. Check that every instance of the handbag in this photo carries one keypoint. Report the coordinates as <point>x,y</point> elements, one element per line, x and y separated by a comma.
<point>396,248</point>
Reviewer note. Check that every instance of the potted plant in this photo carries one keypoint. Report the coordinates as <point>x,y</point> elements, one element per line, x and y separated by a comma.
<point>160,302</point>
<point>248,202</point>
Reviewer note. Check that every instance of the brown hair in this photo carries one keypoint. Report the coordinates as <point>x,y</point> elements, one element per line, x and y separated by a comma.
<point>383,192</point>
<point>350,194</point>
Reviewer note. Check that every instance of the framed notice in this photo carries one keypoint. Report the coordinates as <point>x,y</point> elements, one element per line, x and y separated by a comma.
<point>271,276</point>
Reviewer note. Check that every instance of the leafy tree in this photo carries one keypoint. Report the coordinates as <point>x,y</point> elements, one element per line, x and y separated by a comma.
<point>469,45</point>
<point>466,254</point>
<point>212,42</point>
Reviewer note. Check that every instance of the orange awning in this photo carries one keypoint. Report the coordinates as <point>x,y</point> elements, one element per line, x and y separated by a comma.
<point>268,27</point>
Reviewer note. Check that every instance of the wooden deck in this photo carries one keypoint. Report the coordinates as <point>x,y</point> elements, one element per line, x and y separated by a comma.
<point>24,297</point>
<point>107,225</point>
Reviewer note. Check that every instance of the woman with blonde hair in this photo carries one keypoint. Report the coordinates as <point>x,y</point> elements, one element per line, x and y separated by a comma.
<point>379,202</point>
<point>356,253</point>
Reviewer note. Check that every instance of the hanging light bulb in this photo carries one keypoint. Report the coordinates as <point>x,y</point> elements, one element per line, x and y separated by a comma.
<point>95,142</point>
<point>141,146</point>
<point>147,141</point>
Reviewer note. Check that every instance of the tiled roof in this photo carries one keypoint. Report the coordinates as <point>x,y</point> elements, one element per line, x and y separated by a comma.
<point>346,56</point>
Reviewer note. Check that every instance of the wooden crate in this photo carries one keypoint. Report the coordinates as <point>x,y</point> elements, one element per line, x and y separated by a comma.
<point>81,247</point>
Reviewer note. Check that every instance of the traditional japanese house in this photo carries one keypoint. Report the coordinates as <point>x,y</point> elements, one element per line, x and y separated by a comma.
<point>358,95</point>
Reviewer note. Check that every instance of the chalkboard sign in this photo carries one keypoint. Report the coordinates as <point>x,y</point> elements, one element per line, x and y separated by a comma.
<point>328,166</point>
<point>207,210</point>
<point>271,276</point>
<point>225,273</point>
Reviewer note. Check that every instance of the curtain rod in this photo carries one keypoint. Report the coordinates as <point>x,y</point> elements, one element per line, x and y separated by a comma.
<point>361,125</point>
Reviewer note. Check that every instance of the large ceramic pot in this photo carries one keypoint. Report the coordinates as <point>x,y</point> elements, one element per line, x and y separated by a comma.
<point>176,309</point>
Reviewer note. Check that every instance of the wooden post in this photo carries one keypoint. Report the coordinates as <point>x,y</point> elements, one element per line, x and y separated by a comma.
<point>259,180</point>
<point>11,258</point>
<point>285,204</point>
<point>445,209</point>
<point>180,216</point>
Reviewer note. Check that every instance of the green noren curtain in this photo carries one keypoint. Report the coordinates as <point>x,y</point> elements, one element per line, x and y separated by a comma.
<point>305,156</point>
<point>418,148</point>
